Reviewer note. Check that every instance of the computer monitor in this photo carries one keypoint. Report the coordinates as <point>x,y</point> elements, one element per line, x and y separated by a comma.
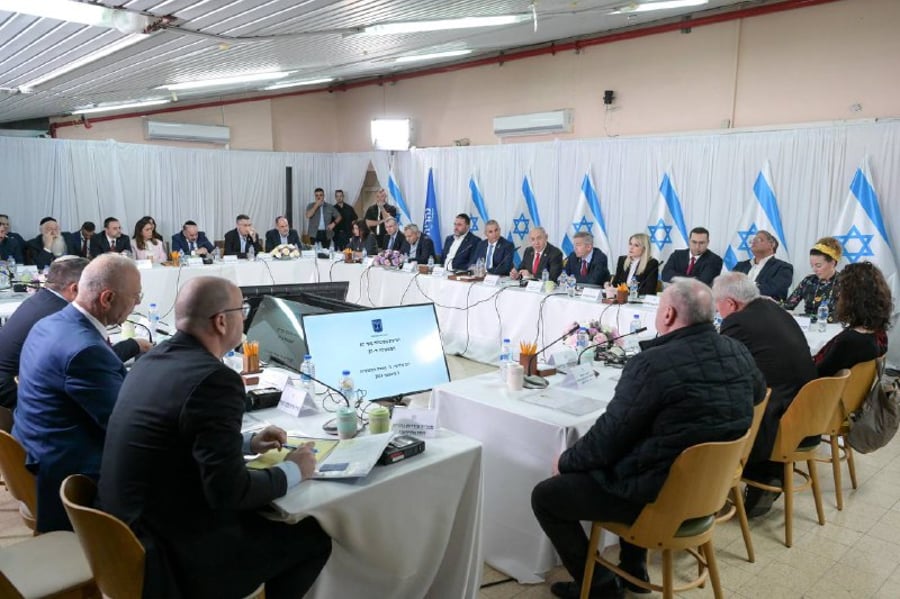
<point>389,352</point>
<point>276,326</point>
<point>328,295</point>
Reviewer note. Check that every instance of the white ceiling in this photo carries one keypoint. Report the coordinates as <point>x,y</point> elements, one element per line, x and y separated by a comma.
<point>313,38</point>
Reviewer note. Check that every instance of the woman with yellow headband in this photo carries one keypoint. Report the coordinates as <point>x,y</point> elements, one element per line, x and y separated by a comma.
<point>823,285</point>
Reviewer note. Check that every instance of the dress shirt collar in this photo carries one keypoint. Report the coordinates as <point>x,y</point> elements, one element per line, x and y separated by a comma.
<point>93,320</point>
<point>57,294</point>
<point>589,256</point>
<point>761,262</point>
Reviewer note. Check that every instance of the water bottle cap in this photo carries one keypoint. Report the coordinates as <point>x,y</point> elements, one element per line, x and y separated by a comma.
<point>230,353</point>
<point>637,315</point>
<point>582,329</point>
<point>307,357</point>
<point>345,372</point>
<point>152,305</point>
<point>505,340</point>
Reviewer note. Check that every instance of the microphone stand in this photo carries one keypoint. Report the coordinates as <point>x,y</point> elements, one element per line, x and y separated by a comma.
<point>287,366</point>
<point>609,342</point>
<point>532,363</point>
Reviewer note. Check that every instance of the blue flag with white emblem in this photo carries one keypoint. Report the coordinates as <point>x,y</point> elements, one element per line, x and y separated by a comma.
<point>666,223</point>
<point>403,216</point>
<point>862,231</point>
<point>432,225</point>
<point>588,218</point>
<point>761,214</point>
<point>525,217</point>
<point>480,216</point>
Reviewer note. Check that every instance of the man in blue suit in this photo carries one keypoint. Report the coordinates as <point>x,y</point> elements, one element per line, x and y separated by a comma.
<point>192,239</point>
<point>394,240</point>
<point>9,242</point>
<point>772,276</point>
<point>421,247</point>
<point>460,245</point>
<point>496,251</point>
<point>282,234</point>
<point>588,264</point>
<point>67,390</point>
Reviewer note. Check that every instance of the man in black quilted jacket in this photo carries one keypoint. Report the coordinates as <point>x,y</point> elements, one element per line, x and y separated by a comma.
<point>687,386</point>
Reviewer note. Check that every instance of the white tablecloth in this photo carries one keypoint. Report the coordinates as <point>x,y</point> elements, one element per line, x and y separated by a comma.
<point>407,530</point>
<point>521,444</point>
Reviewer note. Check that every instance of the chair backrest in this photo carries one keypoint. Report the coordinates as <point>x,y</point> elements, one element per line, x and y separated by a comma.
<point>114,553</point>
<point>6,419</point>
<point>810,413</point>
<point>759,411</point>
<point>862,376</point>
<point>20,482</point>
<point>696,486</point>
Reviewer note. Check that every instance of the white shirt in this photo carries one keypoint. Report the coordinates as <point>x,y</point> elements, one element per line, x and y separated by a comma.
<point>632,270</point>
<point>451,253</point>
<point>756,267</point>
<point>101,328</point>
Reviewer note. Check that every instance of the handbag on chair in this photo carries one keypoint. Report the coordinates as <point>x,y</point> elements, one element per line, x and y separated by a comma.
<point>875,423</point>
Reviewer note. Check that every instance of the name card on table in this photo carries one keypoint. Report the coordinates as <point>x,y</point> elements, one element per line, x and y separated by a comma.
<point>413,421</point>
<point>591,293</point>
<point>230,258</point>
<point>535,286</point>
<point>491,280</point>
<point>409,267</point>
<point>367,262</point>
<point>264,257</point>
<point>296,401</point>
<point>194,261</point>
<point>803,321</point>
<point>22,269</point>
<point>579,376</point>
<point>308,253</point>
<point>272,377</point>
<point>437,271</point>
<point>143,264</point>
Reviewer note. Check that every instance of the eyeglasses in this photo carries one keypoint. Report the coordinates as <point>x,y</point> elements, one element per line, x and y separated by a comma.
<point>245,311</point>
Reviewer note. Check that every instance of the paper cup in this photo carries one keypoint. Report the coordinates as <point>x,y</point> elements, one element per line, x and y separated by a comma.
<point>515,376</point>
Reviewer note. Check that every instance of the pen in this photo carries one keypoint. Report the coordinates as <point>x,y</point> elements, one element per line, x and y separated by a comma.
<point>289,446</point>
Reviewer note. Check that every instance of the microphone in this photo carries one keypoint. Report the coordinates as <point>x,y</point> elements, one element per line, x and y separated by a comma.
<point>287,366</point>
<point>610,341</point>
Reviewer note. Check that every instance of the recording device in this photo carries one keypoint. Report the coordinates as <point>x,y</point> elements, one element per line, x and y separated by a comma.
<point>614,354</point>
<point>400,448</point>
<point>260,399</point>
<point>533,381</point>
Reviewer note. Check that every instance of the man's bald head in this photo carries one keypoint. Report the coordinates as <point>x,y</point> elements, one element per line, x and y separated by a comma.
<point>110,288</point>
<point>685,302</point>
<point>201,298</point>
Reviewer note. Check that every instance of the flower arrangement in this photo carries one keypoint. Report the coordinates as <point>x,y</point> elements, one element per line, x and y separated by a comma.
<point>34,282</point>
<point>285,251</point>
<point>597,333</point>
<point>389,258</point>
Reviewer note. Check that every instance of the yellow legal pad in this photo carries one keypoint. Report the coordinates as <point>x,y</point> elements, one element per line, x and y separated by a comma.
<point>322,448</point>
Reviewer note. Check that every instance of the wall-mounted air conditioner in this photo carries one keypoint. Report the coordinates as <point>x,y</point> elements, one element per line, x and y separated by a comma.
<point>211,134</point>
<point>536,123</point>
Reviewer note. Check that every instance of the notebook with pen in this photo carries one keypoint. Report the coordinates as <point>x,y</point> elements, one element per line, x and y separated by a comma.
<point>349,458</point>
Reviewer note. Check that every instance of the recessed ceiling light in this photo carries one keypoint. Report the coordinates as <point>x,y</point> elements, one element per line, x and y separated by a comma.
<point>112,106</point>
<point>444,24</point>
<point>418,57</point>
<point>661,5</point>
<point>287,84</point>
<point>226,81</point>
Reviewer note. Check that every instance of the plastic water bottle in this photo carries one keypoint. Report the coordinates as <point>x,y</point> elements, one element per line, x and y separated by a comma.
<point>348,389</point>
<point>180,257</point>
<point>822,317</point>
<point>307,370</point>
<point>571,283</point>
<point>505,357</point>
<point>479,268</point>
<point>632,289</point>
<point>430,263</point>
<point>545,276</point>
<point>581,342</point>
<point>632,328</point>
<point>234,361</point>
<point>365,255</point>
<point>717,321</point>
<point>251,253</point>
<point>153,317</point>
<point>331,250</point>
<point>11,266</point>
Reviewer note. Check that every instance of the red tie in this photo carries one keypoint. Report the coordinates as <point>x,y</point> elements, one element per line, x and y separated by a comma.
<point>583,267</point>
<point>537,261</point>
<point>690,267</point>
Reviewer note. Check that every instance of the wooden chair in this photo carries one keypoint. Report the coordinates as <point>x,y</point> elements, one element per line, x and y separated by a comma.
<point>736,498</point>
<point>808,416</point>
<point>115,555</point>
<point>50,565</point>
<point>862,376</point>
<point>681,518</point>
<point>20,482</point>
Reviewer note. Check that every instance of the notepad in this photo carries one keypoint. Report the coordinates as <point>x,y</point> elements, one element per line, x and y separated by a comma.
<point>350,458</point>
<point>322,448</point>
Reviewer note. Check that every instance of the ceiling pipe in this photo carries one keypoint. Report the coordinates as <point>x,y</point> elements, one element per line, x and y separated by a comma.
<point>551,48</point>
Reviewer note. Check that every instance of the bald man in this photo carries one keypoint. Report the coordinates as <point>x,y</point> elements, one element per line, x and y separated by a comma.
<point>69,378</point>
<point>174,467</point>
<point>688,386</point>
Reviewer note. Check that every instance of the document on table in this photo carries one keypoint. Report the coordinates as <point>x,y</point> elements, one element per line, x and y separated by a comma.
<point>565,400</point>
<point>353,458</point>
<point>322,448</point>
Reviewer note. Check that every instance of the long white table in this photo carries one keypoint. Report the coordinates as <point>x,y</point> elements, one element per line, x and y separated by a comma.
<point>408,530</point>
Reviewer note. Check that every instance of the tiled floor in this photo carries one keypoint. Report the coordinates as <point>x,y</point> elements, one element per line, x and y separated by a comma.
<point>855,555</point>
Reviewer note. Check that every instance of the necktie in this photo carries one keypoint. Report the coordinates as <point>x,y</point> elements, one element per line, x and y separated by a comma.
<point>537,261</point>
<point>490,256</point>
<point>192,247</point>
<point>391,242</point>
<point>583,267</point>
<point>84,248</point>
<point>690,267</point>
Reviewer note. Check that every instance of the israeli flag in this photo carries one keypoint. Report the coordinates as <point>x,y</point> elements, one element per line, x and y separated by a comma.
<point>588,218</point>
<point>862,232</point>
<point>761,214</point>
<point>432,225</point>
<point>403,215</point>
<point>525,216</point>
<point>666,223</point>
<point>481,214</point>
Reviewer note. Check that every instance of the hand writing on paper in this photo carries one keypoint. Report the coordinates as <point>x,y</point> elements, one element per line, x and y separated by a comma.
<point>305,459</point>
<point>271,437</point>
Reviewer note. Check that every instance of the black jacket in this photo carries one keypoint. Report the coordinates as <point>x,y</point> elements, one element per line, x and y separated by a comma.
<point>502,258</point>
<point>647,280</point>
<point>551,261</point>
<point>597,271</point>
<point>706,268</point>
<point>400,243</point>
<point>463,258</point>
<point>273,239</point>
<point>774,279</point>
<point>424,250</point>
<point>233,244</point>
<point>100,244</point>
<point>687,387</point>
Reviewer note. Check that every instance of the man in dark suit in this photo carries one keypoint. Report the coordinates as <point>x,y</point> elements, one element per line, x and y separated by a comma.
<point>282,234</point>
<point>79,242</point>
<point>192,239</point>
<point>587,264</point>
<point>174,468</point>
<point>242,237</point>
<point>9,242</point>
<point>460,246</point>
<point>496,251</point>
<point>59,290</point>
<point>781,353</point>
<point>393,238</point>
<point>421,247</point>
<point>377,213</point>
<point>46,247</point>
<point>343,227</point>
<point>67,390</point>
<point>111,239</point>
<point>697,262</point>
<point>771,275</point>
<point>540,257</point>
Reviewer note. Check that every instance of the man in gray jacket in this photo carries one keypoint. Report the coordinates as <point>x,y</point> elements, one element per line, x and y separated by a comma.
<point>322,218</point>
